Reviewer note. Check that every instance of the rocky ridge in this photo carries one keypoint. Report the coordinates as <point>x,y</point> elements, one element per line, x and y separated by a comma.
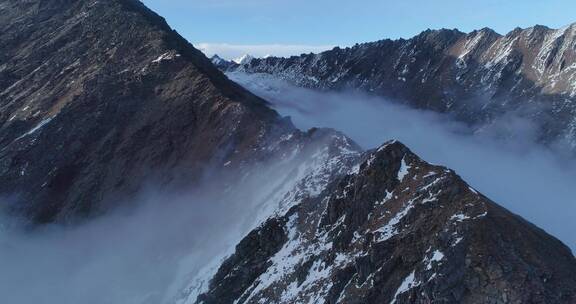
<point>97,97</point>
<point>476,76</point>
<point>395,229</point>
<point>222,63</point>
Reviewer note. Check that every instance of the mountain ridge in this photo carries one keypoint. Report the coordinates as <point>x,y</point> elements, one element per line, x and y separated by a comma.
<point>96,111</point>
<point>97,97</point>
<point>473,76</point>
<point>369,238</point>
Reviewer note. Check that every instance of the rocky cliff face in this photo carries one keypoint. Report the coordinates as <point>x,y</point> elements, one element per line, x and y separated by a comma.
<point>396,229</point>
<point>476,76</point>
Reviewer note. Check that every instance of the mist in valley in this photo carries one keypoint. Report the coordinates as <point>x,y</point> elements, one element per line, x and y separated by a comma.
<point>163,245</point>
<point>501,160</point>
<point>160,247</point>
<point>132,255</point>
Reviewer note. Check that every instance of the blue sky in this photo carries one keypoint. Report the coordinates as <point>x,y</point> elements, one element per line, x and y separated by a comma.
<point>233,27</point>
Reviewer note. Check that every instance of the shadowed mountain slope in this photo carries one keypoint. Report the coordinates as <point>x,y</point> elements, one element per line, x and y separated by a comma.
<point>97,96</point>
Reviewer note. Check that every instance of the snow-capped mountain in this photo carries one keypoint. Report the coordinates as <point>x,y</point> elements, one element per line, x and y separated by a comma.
<point>222,63</point>
<point>99,97</point>
<point>216,60</point>
<point>476,76</point>
<point>244,59</point>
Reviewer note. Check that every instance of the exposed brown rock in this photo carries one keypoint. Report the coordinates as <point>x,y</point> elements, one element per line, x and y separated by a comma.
<point>97,97</point>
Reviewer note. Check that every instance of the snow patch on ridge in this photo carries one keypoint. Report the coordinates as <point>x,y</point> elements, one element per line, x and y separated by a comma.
<point>408,283</point>
<point>389,230</point>
<point>244,59</point>
<point>437,256</point>
<point>404,169</point>
<point>37,127</point>
<point>170,55</point>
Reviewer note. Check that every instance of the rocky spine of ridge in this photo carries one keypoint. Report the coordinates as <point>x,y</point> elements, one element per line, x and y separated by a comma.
<point>98,98</point>
<point>395,230</point>
<point>476,76</point>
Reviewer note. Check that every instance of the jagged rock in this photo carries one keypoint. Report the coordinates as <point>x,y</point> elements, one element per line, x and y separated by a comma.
<point>400,230</point>
<point>476,76</point>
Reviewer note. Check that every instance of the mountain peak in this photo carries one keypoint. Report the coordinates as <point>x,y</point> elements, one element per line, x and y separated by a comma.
<point>100,98</point>
<point>222,63</point>
<point>216,60</point>
<point>111,77</point>
<point>396,229</point>
<point>244,59</point>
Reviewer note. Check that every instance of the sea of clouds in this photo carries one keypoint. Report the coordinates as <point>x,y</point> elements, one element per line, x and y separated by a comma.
<point>502,160</point>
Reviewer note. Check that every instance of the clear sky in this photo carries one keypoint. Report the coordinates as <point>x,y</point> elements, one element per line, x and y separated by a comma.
<point>276,27</point>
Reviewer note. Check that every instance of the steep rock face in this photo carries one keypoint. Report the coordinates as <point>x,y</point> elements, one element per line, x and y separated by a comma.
<point>309,162</point>
<point>476,76</point>
<point>98,96</point>
<point>396,230</point>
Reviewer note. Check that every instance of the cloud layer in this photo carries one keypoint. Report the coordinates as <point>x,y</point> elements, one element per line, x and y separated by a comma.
<point>155,248</point>
<point>151,251</point>
<point>531,181</point>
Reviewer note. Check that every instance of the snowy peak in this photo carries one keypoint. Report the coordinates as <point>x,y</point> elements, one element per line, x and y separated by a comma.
<point>222,63</point>
<point>83,123</point>
<point>244,59</point>
<point>216,60</point>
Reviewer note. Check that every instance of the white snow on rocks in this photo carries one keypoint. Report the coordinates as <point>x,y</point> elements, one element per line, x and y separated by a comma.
<point>37,127</point>
<point>170,55</point>
<point>437,256</point>
<point>408,283</point>
<point>460,217</point>
<point>386,198</point>
<point>296,251</point>
<point>389,230</point>
<point>457,241</point>
<point>472,189</point>
<point>404,170</point>
<point>384,146</point>
<point>244,59</point>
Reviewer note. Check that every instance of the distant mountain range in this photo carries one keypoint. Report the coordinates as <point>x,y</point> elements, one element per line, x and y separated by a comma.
<point>98,98</point>
<point>477,76</point>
